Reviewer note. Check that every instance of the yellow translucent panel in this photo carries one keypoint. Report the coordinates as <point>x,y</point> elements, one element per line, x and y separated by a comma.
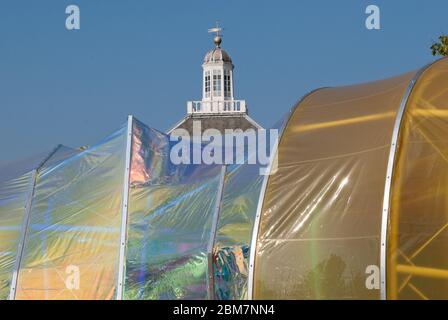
<point>418,235</point>
<point>320,225</point>
<point>73,236</point>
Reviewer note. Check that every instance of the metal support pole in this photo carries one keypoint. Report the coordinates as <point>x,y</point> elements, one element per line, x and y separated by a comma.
<point>388,182</point>
<point>211,243</point>
<point>124,212</point>
<point>25,224</point>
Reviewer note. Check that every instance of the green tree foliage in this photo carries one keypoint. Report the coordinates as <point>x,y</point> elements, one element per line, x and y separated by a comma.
<point>440,48</point>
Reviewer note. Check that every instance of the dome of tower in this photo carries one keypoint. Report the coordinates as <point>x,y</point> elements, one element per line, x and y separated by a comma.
<point>217,55</point>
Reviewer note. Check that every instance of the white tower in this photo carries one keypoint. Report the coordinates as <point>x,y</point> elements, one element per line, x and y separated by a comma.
<point>218,108</point>
<point>217,83</point>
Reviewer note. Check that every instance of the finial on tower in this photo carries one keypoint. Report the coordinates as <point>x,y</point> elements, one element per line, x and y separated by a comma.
<point>218,38</point>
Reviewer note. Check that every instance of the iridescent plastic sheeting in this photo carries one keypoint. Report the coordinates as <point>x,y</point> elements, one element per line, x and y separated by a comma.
<point>14,195</point>
<point>71,245</point>
<point>16,192</point>
<point>170,216</point>
<point>231,248</point>
<point>72,238</point>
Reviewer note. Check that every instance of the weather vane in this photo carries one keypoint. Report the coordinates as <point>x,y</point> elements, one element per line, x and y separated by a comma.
<point>218,37</point>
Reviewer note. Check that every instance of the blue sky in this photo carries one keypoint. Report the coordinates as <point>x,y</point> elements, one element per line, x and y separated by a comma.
<point>144,58</point>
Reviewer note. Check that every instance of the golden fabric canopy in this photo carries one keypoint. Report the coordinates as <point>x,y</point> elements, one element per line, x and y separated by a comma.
<point>358,208</point>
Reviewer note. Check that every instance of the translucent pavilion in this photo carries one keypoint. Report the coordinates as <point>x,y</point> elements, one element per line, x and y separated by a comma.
<point>357,208</point>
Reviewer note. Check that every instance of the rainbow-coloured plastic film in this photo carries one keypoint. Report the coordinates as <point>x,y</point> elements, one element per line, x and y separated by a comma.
<point>170,216</point>
<point>72,239</point>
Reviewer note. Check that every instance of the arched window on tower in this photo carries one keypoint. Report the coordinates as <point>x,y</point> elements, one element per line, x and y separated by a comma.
<point>227,83</point>
<point>207,84</point>
<point>217,83</point>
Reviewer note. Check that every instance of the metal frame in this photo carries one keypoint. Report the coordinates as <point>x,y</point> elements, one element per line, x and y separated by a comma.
<point>253,245</point>
<point>388,182</point>
<point>124,211</point>
<point>211,243</point>
<point>25,224</point>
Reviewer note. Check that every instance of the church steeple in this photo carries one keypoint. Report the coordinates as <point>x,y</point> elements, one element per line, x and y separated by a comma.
<point>217,83</point>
